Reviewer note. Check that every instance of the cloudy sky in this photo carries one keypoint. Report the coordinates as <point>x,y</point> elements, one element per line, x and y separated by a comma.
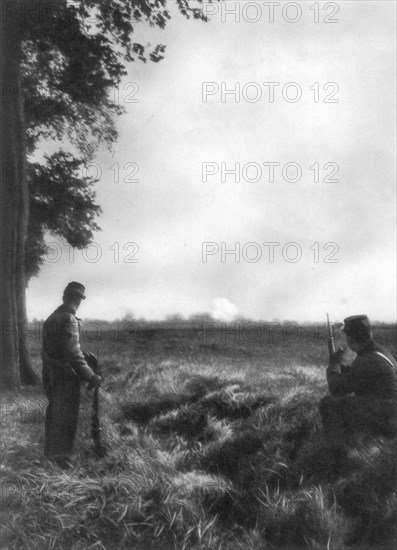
<point>329,209</point>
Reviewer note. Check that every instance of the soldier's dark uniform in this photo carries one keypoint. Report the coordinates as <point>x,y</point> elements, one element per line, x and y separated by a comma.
<point>372,378</point>
<point>64,367</point>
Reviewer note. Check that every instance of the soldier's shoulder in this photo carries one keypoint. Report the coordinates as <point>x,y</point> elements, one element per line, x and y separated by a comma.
<point>383,349</point>
<point>375,357</point>
<point>61,316</point>
<point>382,352</point>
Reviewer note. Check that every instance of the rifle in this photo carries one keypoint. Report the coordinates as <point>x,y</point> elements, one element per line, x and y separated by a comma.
<point>331,343</point>
<point>96,430</point>
<point>334,355</point>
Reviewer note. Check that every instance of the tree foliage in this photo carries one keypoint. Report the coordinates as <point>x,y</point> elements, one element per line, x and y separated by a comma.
<point>62,204</point>
<point>74,56</point>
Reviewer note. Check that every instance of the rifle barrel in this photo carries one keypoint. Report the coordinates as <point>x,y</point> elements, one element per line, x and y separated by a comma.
<point>96,428</point>
<point>331,343</point>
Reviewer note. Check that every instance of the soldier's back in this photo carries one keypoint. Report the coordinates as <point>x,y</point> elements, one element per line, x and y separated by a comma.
<point>58,323</point>
<point>374,373</point>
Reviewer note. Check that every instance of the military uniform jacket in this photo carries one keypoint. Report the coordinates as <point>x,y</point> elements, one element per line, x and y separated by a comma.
<point>61,345</point>
<point>372,374</point>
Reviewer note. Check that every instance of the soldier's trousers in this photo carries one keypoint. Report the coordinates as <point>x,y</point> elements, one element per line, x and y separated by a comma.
<point>344,417</point>
<point>63,392</point>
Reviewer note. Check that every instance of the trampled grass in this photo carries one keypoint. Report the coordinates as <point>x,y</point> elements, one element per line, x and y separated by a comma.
<point>212,444</point>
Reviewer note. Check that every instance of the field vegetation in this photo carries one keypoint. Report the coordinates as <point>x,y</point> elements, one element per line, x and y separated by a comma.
<point>213,440</point>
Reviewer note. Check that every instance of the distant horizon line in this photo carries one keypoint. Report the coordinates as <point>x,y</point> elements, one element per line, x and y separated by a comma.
<point>203,318</point>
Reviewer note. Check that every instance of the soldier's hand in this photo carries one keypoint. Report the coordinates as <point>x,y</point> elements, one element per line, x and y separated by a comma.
<point>94,382</point>
<point>337,356</point>
<point>91,359</point>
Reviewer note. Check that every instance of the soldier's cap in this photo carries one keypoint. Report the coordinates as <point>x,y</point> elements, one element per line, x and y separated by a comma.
<point>358,326</point>
<point>75,288</point>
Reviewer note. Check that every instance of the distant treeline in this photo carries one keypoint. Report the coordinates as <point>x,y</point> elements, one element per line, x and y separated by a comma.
<point>207,328</point>
<point>177,321</point>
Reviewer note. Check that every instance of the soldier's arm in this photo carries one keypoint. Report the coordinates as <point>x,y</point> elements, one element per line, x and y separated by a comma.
<point>339,379</point>
<point>70,343</point>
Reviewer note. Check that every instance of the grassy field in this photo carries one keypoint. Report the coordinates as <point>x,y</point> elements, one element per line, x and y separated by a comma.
<point>214,442</point>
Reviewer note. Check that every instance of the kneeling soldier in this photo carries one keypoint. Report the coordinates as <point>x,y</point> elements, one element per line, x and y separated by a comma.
<point>64,367</point>
<point>372,378</point>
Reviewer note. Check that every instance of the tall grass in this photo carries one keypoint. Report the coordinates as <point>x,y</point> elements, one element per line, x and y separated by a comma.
<point>209,447</point>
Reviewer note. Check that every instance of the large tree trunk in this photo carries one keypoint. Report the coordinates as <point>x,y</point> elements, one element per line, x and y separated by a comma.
<point>27,373</point>
<point>14,202</point>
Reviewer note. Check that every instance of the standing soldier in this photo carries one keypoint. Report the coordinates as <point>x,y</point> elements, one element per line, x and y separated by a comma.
<point>363,395</point>
<point>64,367</point>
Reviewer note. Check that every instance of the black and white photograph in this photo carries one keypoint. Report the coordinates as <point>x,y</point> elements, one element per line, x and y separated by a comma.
<point>198,291</point>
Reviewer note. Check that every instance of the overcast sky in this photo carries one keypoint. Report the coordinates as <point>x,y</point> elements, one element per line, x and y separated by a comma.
<point>170,212</point>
